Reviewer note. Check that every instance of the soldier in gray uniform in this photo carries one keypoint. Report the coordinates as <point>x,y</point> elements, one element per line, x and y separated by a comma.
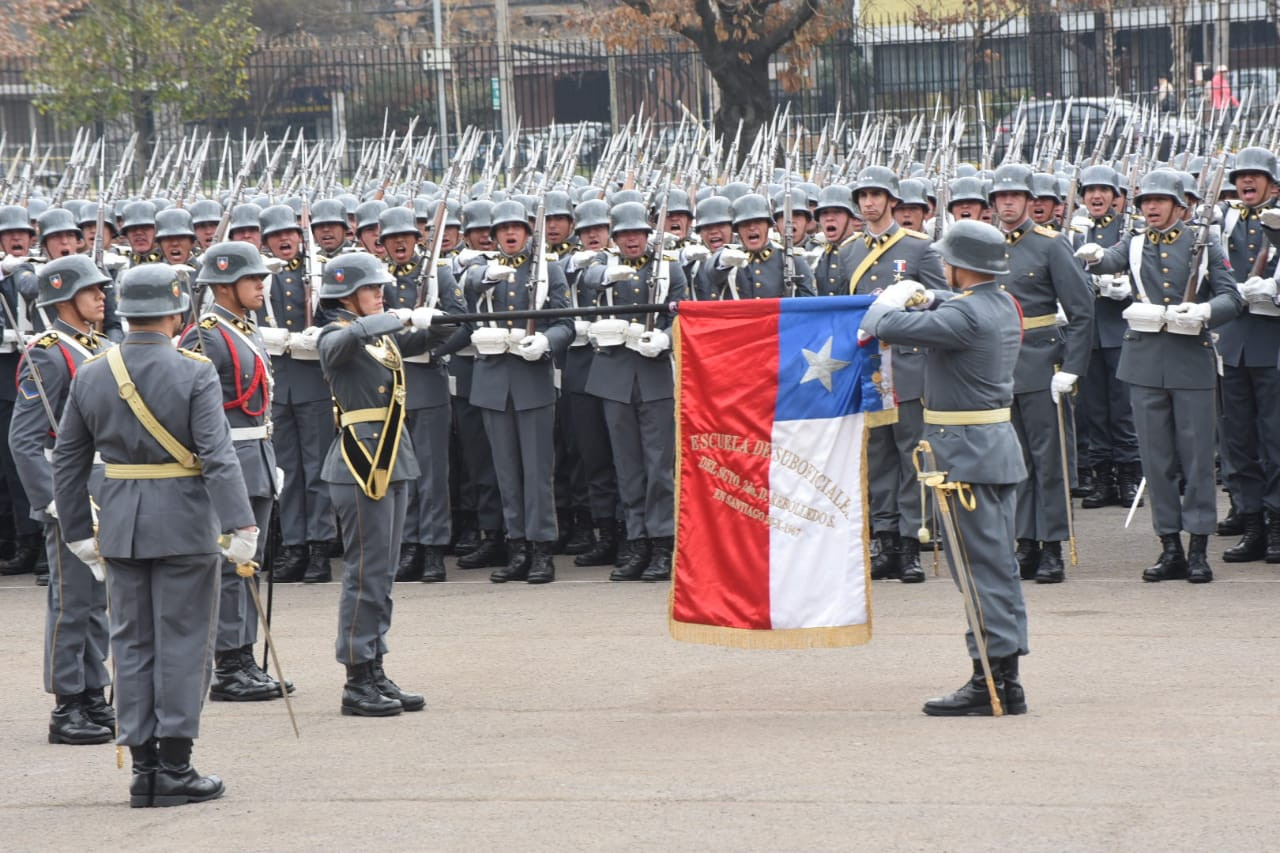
<point>173,484</point>
<point>227,335</point>
<point>1170,365</point>
<point>840,229</point>
<point>972,343</point>
<point>369,468</point>
<point>1041,277</point>
<point>301,413</point>
<point>632,374</point>
<point>883,254</point>
<point>75,637</point>
<point>757,269</point>
<point>514,387</point>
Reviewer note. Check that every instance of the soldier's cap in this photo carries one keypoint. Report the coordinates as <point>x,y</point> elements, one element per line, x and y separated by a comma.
<point>973,245</point>
<point>151,290</point>
<point>61,279</point>
<point>230,261</point>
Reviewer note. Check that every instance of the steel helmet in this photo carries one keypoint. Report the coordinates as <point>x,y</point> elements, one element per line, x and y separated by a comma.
<point>227,263</point>
<point>151,290</point>
<point>61,279</point>
<point>346,274</point>
<point>976,246</point>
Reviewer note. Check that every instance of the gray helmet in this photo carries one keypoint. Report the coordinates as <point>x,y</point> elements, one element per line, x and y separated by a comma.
<point>55,220</point>
<point>971,188</point>
<point>1255,159</point>
<point>452,219</point>
<point>1011,178</point>
<point>716,210</point>
<point>678,202</point>
<point>624,196</point>
<point>367,213</point>
<point>174,222</point>
<point>557,203</point>
<point>349,203</point>
<point>836,197</point>
<point>507,213</point>
<point>294,203</point>
<point>277,218</point>
<point>244,216</point>
<point>1044,185</point>
<point>589,214</point>
<point>587,192</point>
<point>1161,182</point>
<point>477,214</point>
<point>976,246</point>
<point>966,170</point>
<point>227,263</point>
<point>877,178</point>
<point>89,216</point>
<point>811,192</point>
<point>799,204</point>
<point>205,211</point>
<point>735,190</point>
<point>1099,176</point>
<point>1190,187</point>
<point>423,208</point>
<point>397,220</point>
<point>345,274</point>
<point>912,192</point>
<point>749,207</point>
<point>74,205</point>
<point>36,206</point>
<point>63,278</point>
<point>138,214</point>
<point>151,290</point>
<point>628,216</point>
<point>328,212</point>
<point>14,218</point>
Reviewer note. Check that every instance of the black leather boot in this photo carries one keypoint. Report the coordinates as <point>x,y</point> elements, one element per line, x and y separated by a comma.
<point>411,563</point>
<point>1015,698</point>
<point>177,782</point>
<point>580,540</point>
<point>1104,488</point>
<point>142,787</point>
<point>909,561</point>
<point>564,529</point>
<point>97,709</point>
<point>659,568</point>
<point>1253,542</point>
<point>542,569</point>
<point>971,700</point>
<point>25,556</point>
<point>361,696</point>
<point>259,674</point>
<point>638,555</point>
<point>884,555</point>
<point>8,536</point>
<point>318,568</point>
<point>605,549</point>
<point>335,549</point>
<point>491,551</point>
<point>1084,482</point>
<point>291,564</point>
<point>468,533</point>
<point>69,724</point>
<point>517,567</point>
<point>1128,479</point>
<point>388,688</point>
<point>1273,537</point>
<point>625,544</point>
<point>232,682</point>
<point>1198,570</point>
<point>1028,556</point>
<point>1172,563</point>
<point>1050,569</point>
<point>433,563</point>
<point>1231,525</point>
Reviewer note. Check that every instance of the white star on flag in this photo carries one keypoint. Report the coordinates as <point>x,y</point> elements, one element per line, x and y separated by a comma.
<point>821,365</point>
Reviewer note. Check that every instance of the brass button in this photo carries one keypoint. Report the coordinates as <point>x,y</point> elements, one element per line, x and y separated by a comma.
<point>758,284</point>
<point>757,272</point>
<point>873,278</point>
<point>1166,299</point>
<point>1166,284</point>
<point>1164,254</point>
<point>382,389</point>
<point>1164,270</point>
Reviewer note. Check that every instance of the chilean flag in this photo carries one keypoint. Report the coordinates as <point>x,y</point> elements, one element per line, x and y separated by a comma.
<point>773,400</point>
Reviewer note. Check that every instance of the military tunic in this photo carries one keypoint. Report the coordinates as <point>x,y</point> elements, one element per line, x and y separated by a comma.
<point>763,277</point>
<point>13,498</point>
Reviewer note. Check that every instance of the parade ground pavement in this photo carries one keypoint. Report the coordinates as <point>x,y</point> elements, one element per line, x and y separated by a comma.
<point>563,717</point>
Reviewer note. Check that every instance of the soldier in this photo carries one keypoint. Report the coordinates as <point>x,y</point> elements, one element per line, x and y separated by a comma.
<point>368,469</point>
<point>1046,201</point>
<point>840,228</point>
<point>514,386</point>
<point>367,227</point>
<point>1041,277</point>
<point>245,224</point>
<point>139,230</point>
<point>757,270</point>
<point>559,223</point>
<point>173,483</point>
<point>87,220</point>
<point>967,199</point>
<point>913,206</point>
<point>1168,361</point>
<point>973,343</point>
<point>301,412</point>
<point>59,234</point>
<point>206,215</point>
<point>714,227</point>
<point>885,254</point>
<point>228,336</point>
<point>176,236</point>
<point>76,635</point>
<point>632,374</point>
<point>329,227</point>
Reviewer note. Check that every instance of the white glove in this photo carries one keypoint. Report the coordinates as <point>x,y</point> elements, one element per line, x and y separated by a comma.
<point>272,264</point>
<point>1270,218</point>
<point>1117,288</point>
<point>421,316</point>
<point>693,253</point>
<point>533,347</point>
<point>1208,213</point>
<point>1081,221</point>
<point>305,340</point>
<point>669,240</point>
<point>279,479</point>
<point>1187,317</point>
<point>653,344</point>
<point>112,261</point>
<point>814,255</point>
<point>1090,253</point>
<point>86,551</point>
<point>405,314</point>
<point>469,257</point>
<point>51,510</point>
<point>11,262</point>
<point>620,272</point>
<point>896,295</point>
<point>732,257</point>
<point>921,300</point>
<point>242,547</point>
<point>495,272</point>
<point>1062,383</point>
<point>582,260</point>
<point>1258,289</point>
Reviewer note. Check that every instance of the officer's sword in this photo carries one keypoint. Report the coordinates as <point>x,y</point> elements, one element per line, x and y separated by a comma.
<point>937,480</point>
<point>247,571</point>
<point>1137,499</point>
<point>1066,482</point>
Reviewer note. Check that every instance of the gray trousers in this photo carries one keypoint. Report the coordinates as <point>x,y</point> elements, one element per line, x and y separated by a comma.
<point>987,542</point>
<point>1042,500</point>
<point>303,433</point>
<point>427,520</point>
<point>1175,435</point>
<point>643,438</point>
<point>478,490</point>
<point>75,627</point>
<point>163,616</point>
<point>1249,431</point>
<point>371,532</point>
<point>892,487</point>
<point>523,445</point>
<point>1106,417</point>
<point>237,616</point>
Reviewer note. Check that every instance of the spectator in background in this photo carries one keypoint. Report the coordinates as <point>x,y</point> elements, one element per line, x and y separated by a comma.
<point>1220,96</point>
<point>1164,94</point>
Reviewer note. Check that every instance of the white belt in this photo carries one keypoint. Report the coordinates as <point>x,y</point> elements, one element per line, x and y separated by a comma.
<point>251,433</point>
<point>48,456</point>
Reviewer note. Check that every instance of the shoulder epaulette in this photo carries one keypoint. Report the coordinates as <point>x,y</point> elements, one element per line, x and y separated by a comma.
<point>46,341</point>
<point>194,356</point>
<point>1046,231</point>
<point>919,235</point>
<point>208,321</point>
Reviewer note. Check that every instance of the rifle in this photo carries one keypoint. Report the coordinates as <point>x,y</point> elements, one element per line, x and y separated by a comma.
<point>539,280</point>
<point>1204,234</point>
<point>659,273</point>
